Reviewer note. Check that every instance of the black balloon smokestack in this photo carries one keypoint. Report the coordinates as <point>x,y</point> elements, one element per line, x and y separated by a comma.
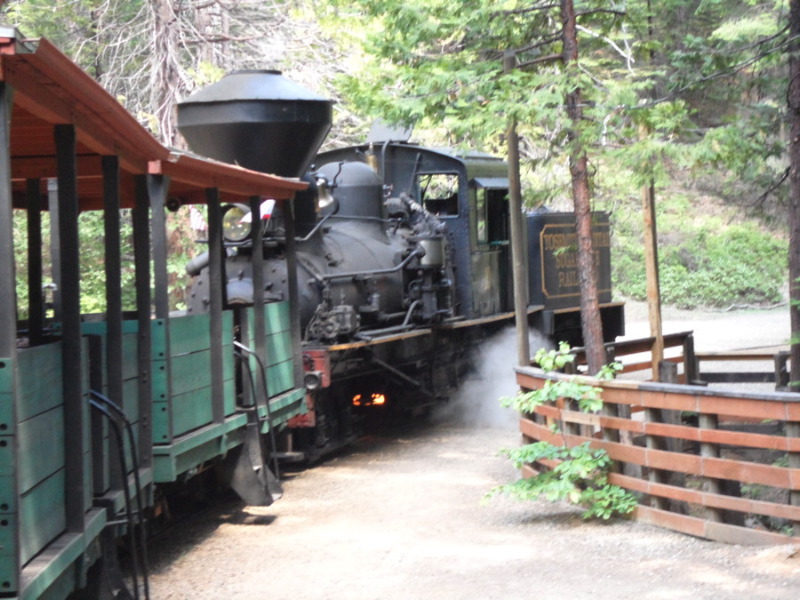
<point>259,120</point>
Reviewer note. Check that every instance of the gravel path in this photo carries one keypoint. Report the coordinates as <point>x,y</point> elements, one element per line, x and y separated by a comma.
<point>400,516</point>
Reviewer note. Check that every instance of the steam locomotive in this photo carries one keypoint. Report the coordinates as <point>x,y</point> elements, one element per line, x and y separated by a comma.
<point>357,279</point>
<point>396,261</point>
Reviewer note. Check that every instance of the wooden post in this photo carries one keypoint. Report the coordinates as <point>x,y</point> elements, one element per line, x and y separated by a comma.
<point>653,415</point>
<point>651,272</point>
<point>707,421</point>
<point>691,369</point>
<point>781,372</point>
<point>518,254</point>
<point>216,295</point>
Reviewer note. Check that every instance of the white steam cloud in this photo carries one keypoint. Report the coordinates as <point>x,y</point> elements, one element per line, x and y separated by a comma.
<point>477,403</point>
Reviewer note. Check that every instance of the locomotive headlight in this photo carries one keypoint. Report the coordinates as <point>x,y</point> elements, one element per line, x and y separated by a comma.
<point>236,222</point>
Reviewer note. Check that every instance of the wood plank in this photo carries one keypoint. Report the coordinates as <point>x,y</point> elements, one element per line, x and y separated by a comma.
<point>730,534</point>
<point>689,464</point>
<point>746,505</point>
<point>684,432</point>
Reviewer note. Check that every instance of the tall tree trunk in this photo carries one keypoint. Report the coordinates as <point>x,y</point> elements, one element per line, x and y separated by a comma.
<point>165,77</point>
<point>591,323</point>
<point>793,97</point>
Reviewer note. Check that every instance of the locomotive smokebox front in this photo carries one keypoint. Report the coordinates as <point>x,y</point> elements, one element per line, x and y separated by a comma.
<point>259,120</point>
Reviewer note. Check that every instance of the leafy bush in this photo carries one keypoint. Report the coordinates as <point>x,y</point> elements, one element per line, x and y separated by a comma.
<point>581,475</point>
<point>703,262</point>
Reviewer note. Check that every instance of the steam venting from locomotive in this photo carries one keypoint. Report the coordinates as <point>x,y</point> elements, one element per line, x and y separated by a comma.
<point>370,260</point>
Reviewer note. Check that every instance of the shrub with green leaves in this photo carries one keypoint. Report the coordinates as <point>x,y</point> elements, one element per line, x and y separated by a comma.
<point>705,262</point>
<point>581,475</point>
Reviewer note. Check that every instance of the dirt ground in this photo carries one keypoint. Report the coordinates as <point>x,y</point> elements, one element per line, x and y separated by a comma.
<point>400,515</point>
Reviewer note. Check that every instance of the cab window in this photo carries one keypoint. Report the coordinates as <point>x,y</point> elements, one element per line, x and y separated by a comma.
<point>438,193</point>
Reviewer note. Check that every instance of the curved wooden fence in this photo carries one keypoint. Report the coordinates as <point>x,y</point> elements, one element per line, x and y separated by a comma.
<point>718,465</point>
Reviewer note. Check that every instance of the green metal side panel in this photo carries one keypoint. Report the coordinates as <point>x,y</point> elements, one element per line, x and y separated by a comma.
<point>158,339</point>
<point>280,353</point>
<point>189,334</point>
<point>6,414</point>
<point>41,515</point>
<point>130,329</point>
<point>186,387</point>
<point>8,560</point>
<point>40,380</point>
<point>191,411</point>
<point>130,343</point>
<point>279,347</point>
<point>197,447</point>
<point>190,372</point>
<point>277,316</point>
<point>162,418</point>
<point>280,377</point>
<point>8,499</point>
<point>130,391</point>
<point>130,396</point>
<point>229,379</point>
<point>283,408</point>
<point>55,569</point>
<point>41,447</point>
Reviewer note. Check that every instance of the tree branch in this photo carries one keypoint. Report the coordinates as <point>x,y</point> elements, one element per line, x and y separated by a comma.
<point>541,59</point>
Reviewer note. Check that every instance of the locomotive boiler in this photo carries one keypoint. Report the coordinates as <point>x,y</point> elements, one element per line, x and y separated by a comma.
<point>396,259</point>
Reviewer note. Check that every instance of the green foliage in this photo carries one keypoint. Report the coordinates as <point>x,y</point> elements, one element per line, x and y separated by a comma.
<point>92,260</point>
<point>92,251</point>
<point>703,262</point>
<point>581,475</point>
<point>581,478</point>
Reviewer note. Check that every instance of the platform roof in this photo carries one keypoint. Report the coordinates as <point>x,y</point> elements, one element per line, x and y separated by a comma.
<point>49,89</point>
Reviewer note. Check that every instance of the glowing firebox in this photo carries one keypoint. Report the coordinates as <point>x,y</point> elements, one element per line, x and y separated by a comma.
<point>373,400</point>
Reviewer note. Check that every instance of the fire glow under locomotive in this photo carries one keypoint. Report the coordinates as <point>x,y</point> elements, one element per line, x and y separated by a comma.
<point>397,259</point>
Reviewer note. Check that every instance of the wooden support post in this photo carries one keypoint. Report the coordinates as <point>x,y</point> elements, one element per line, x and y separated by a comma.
<point>294,292</point>
<point>141,253</point>
<point>216,297</point>
<point>782,371</point>
<point>35,290</point>
<point>75,408</point>
<point>709,421</point>
<point>8,316</point>
<point>518,253</point>
<point>259,332</point>
<point>691,369</point>
<point>113,346</point>
<point>10,521</point>
<point>113,271</point>
<point>653,415</point>
<point>55,255</point>
<point>651,273</point>
<point>157,186</point>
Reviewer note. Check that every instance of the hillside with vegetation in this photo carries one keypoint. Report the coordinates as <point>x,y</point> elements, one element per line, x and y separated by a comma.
<point>688,97</point>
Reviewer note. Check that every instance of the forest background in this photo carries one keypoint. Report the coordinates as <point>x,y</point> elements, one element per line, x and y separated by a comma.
<point>686,96</point>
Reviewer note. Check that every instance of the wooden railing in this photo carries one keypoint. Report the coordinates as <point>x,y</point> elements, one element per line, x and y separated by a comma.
<point>683,365</point>
<point>719,465</point>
